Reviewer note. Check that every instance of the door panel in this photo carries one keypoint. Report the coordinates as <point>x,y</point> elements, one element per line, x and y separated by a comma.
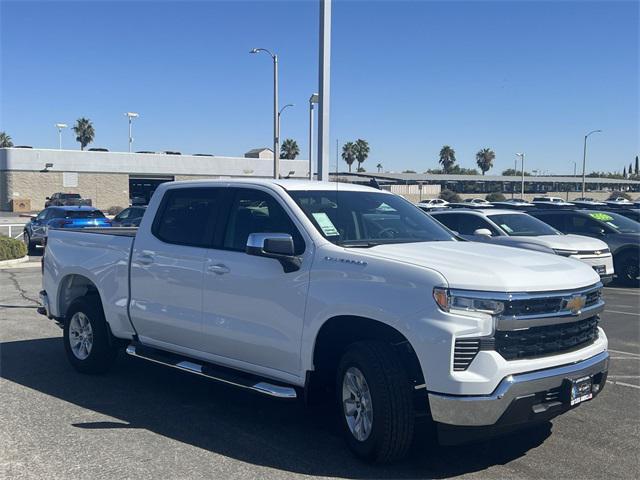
<point>167,268</point>
<point>252,311</point>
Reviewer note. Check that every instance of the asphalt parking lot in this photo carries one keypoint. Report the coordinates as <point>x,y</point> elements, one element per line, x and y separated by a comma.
<point>146,421</point>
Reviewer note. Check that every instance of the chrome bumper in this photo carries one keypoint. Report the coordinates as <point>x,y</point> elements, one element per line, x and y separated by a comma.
<point>486,410</point>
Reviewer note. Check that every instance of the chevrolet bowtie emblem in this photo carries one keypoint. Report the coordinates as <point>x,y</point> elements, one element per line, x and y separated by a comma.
<point>575,303</point>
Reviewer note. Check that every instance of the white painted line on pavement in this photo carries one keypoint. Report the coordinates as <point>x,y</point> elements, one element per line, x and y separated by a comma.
<point>622,290</point>
<point>625,353</point>
<point>623,313</point>
<point>626,385</point>
<point>624,376</point>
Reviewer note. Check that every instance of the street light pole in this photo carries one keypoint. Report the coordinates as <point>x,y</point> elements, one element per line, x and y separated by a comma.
<point>276,130</point>
<point>324,80</point>
<point>280,114</point>
<point>584,160</point>
<point>60,126</point>
<point>131,116</point>
<point>521,155</point>
<point>312,100</point>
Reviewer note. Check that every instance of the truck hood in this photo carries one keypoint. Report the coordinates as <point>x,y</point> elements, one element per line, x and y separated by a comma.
<point>561,242</point>
<point>478,266</point>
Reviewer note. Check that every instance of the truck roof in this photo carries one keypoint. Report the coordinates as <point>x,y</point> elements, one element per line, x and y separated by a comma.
<point>74,207</point>
<point>290,185</point>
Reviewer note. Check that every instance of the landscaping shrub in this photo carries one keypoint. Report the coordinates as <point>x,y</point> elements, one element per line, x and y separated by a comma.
<point>11,248</point>
<point>495,197</point>
<point>450,196</point>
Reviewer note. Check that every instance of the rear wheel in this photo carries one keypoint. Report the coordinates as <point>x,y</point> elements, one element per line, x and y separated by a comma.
<point>627,268</point>
<point>375,400</point>
<point>87,337</point>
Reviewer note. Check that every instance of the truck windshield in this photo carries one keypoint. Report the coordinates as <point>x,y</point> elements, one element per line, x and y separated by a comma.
<point>522,225</point>
<point>83,214</point>
<point>367,219</point>
<point>617,222</point>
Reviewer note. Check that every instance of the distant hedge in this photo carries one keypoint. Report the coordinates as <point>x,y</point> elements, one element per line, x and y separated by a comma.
<point>11,248</point>
<point>495,197</point>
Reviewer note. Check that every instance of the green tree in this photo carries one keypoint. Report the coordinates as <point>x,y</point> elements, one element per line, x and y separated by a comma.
<point>637,170</point>
<point>447,158</point>
<point>484,159</point>
<point>495,197</point>
<point>362,152</point>
<point>84,132</point>
<point>379,167</point>
<point>518,173</point>
<point>5,140</point>
<point>450,196</point>
<point>349,153</point>
<point>624,172</point>
<point>289,149</point>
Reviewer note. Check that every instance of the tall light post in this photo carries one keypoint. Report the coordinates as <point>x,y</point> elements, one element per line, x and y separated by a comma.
<point>60,126</point>
<point>584,160</point>
<point>521,155</point>
<point>324,81</point>
<point>313,99</point>
<point>276,129</point>
<point>131,116</point>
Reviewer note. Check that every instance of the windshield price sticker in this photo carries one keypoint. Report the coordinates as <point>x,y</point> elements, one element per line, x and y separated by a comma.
<point>325,224</point>
<point>603,217</point>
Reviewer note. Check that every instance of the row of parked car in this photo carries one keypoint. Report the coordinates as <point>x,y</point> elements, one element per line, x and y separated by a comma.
<point>75,216</point>
<point>605,236</point>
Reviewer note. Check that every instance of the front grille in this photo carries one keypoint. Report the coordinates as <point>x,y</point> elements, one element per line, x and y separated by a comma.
<point>546,340</point>
<point>544,305</point>
<point>464,352</point>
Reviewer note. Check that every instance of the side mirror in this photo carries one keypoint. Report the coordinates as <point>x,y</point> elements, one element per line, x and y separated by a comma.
<point>47,198</point>
<point>484,232</point>
<point>278,246</point>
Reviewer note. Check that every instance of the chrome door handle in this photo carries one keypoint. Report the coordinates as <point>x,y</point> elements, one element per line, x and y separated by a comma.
<point>145,259</point>
<point>218,269</point>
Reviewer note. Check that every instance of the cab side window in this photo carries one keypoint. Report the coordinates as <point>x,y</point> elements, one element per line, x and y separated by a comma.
<point>467,224</point>
<point>449,221</point>
<point>255,211</point>
<point>556,221</point>
<point>187,216</point>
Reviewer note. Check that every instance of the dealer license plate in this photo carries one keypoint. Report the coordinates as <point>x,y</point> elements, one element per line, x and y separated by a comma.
<point>600,269</point>
<point>581,390</point>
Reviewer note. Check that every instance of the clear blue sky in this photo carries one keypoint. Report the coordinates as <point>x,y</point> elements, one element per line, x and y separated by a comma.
<point>407,76</point>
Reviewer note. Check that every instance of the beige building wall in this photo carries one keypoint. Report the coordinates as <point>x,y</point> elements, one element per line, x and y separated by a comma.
<point>104,189</point>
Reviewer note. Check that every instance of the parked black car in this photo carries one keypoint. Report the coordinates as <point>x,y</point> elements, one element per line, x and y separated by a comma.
<point>632,213</point>
<point>620,233</point>
<point>129,217</point>
<point>61,199</point>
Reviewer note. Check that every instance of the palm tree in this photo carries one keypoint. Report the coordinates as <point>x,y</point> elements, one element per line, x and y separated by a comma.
<point>5,140</point>
<point>349,153</point>
<point>485,158</point>
<point>379,167</point>
<point>447,158</point>
<point>362,152</point>
<point>289,149</point>
<point>84,132</point>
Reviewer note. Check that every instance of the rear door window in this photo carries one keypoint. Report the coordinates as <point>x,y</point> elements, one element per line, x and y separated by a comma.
<point>187,216</point>
<point>467,224</point>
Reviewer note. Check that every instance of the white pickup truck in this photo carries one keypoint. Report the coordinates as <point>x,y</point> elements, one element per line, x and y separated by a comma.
<point>292,288</point>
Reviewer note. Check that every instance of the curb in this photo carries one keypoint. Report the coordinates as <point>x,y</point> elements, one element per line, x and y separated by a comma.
<point>13,262</point>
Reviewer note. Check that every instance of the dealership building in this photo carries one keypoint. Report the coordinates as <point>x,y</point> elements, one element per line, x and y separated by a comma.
<point>112,179</point>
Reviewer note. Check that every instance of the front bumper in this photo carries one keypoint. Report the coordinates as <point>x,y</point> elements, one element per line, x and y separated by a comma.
<point>519,398</point>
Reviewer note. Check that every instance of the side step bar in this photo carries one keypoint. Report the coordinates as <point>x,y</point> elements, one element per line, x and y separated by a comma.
<point>220,374</point>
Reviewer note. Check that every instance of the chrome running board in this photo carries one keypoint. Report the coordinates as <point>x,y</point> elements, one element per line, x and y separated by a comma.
<point>213,372</point>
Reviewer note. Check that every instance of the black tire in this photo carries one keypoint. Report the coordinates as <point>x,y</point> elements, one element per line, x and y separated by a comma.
<point>393,417</point>
<point>627,268</point>
<point>31,247</point>
<point>103,350</point>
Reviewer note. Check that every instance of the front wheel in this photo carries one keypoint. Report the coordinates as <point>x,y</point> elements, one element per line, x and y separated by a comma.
<point>627,268</point>
<point>87,337</point>
<point>375,400</point>
<point>31,246</point>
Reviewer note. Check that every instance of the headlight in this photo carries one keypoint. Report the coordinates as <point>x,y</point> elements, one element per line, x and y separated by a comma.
<point>466,303</point>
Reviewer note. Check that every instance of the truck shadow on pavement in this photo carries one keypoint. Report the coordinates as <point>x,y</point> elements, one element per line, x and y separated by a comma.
<point>237,424</point>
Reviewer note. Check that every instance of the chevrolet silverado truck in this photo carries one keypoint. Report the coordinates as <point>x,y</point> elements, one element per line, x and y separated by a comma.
<point>294,289</point>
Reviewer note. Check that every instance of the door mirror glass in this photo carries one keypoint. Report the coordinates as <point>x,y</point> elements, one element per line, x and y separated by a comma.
<point>278,246</point>
<point>484,232</point>
<point>48,198</point>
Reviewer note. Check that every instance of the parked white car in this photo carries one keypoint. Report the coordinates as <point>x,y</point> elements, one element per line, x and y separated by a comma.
<point>618,201</point>
<point>433,203</point>
<point>546,201</point>
<point>518,229</point>
<point>288,288</point>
